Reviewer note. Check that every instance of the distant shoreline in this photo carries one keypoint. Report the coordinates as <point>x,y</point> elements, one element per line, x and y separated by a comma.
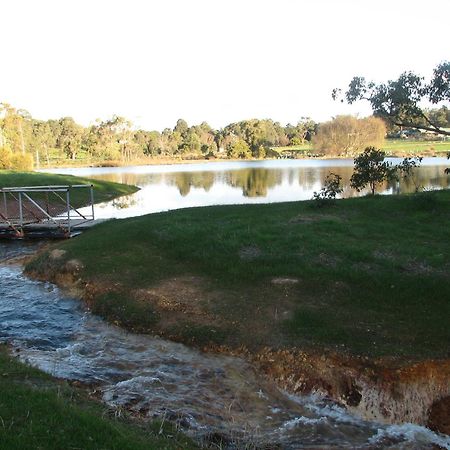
<point>175,161</point>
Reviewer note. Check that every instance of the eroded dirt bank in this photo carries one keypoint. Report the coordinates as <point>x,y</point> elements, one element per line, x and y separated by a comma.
<point>376,390</point>
<point>383,390</point>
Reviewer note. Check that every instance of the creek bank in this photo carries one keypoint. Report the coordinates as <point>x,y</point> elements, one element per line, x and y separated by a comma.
<point>376,390</point>
<point>383,390</point>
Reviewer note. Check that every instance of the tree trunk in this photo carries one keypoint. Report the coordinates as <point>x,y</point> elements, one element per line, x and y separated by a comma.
<point>22,142</point>
<point>37,159</point>
<point>46,155</point>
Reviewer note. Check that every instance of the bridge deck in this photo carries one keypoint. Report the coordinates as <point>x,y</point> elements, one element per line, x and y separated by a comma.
<point>47,229</point>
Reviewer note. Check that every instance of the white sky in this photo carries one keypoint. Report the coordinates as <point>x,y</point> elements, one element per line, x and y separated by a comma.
<point>216,60</point>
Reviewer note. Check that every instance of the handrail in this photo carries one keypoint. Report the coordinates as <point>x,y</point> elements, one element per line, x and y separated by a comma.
<point>62,213</point>
<point>48,188</point>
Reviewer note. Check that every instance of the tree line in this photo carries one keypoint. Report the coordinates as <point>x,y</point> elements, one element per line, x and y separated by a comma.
<point>25,141</point>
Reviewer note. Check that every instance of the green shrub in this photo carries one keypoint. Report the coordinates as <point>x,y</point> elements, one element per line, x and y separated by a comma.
<point>331,188</point>
<point>371,169</point>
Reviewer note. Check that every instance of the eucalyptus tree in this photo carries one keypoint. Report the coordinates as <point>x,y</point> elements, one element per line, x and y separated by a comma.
<point>181,127</point>
<point>402,102</point>
<point>41,140</point>
<point>70,137</point>
<point>16,127</point>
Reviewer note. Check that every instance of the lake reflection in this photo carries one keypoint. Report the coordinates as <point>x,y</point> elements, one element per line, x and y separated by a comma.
<point>168,187</point>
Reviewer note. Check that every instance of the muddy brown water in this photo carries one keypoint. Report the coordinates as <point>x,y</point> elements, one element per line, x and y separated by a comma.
<point>205,395</point>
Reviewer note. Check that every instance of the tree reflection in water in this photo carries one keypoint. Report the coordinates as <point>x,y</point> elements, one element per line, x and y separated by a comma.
<point>188,185</point>
<point>185,180</point>
<point>124,202</point>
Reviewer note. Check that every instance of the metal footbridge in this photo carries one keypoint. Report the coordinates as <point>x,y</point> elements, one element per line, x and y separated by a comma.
<point>46,211</point>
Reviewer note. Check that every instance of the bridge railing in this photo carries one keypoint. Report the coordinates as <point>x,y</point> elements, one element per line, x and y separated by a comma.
<point>54,206</point>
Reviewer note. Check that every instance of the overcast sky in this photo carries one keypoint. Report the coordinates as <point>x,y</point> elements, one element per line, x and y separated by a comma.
<point>216,60</point>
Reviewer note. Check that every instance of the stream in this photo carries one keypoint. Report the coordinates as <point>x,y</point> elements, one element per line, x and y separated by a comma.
<point>203,394</point>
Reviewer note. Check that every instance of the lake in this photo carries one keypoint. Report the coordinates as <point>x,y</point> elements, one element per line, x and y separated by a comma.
<point>166,187</point>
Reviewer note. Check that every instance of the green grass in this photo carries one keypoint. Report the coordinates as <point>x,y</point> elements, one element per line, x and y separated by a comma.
<point>37,412</point>
<point>370,275</point>
<point>103,190</point>
<point>306,147</point>
<point>390,146</point>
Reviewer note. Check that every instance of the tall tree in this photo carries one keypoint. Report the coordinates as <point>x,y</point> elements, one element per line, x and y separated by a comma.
<point>16,127</point>
<point>401,102</point>
<point>181,127</point>
<point>69,139</point>
<point>149,142</point>
<point>112,139</point>
<point>41,140</point>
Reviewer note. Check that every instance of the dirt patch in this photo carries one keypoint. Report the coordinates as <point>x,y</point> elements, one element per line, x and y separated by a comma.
<point>53,267</point>
<point>416,267</point>
<point>183,297</point>
<point>283,281</point>
<point>56,253</point>
<point>250,253</point>
<point>327,260</point>
<point>384,255</point>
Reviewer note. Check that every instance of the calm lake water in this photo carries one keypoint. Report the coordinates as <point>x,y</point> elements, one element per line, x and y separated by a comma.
<point>176,186</point>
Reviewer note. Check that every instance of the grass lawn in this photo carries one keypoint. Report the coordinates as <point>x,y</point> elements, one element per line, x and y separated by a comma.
<point>369,276</point>
<point>103,190</point>
<point>390,146</point>
<point>37,412</point>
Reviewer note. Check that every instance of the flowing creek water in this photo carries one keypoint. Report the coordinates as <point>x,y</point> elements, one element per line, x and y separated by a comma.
<point>203,394</point>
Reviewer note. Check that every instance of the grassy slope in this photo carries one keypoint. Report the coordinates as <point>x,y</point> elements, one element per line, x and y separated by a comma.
<point>37,412</point>
<point>373,273</point>
<point>103,190</point>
